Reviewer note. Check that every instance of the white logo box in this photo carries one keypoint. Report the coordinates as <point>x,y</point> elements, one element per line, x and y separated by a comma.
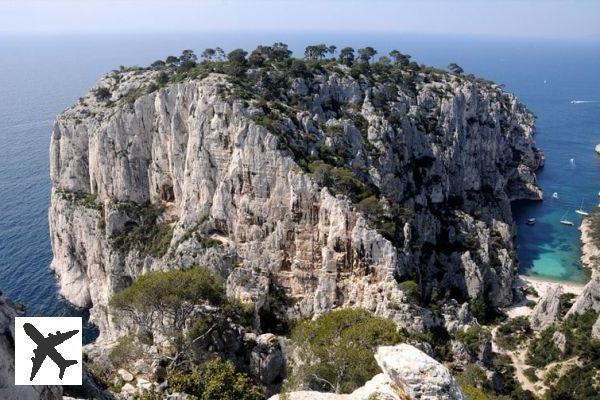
<point>48,331</point>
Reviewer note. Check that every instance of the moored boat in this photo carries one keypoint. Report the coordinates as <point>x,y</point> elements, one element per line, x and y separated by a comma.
<point>581,211</point>
<point>565,221</point>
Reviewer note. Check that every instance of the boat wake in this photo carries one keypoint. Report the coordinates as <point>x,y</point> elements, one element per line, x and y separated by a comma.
<point>583,101</point>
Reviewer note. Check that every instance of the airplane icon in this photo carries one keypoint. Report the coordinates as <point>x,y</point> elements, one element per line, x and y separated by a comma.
<point>46,347</point>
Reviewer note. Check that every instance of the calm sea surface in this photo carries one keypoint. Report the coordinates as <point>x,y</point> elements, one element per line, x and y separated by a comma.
<point>41,76</point>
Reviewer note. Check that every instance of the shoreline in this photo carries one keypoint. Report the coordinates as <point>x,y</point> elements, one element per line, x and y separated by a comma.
<point>541,285</point>
<point>589,249</point>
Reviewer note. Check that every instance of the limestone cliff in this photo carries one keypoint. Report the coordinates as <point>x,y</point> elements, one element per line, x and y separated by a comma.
<point>328,185</point>
<point>590,297</point>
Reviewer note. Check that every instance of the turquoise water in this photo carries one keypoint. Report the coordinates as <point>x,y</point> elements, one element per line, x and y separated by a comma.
<point>549,250</point>
<point>40,76</point>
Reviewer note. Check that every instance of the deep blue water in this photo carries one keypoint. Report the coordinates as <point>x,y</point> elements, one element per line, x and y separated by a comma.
<point>40,76</point>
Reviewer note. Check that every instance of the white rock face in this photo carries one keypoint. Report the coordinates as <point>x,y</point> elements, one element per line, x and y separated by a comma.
<point>408,374</point>
<point>590,297</point>
<point>596,329</point>
<point>417,375</point>
<point>191,149</point>
<point>8,390</point>
<point>547,309</point>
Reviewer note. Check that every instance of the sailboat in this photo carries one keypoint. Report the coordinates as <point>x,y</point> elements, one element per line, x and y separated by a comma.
<point>565,221</point>
<point>580,211</point>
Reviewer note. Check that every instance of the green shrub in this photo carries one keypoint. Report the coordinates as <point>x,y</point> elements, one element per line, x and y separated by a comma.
<point>512,333</point>
<point>566,301</point>
<point>412,290</point>
<point>531,375</point>
<point>91,201</point>
<point>173,294</point>
<point>578,383</point>
<point>340,179</point>
<point>216,379</point>
<point>127,350</point>
<point>484,311</point>
<point>145,233</point>
<point>337,349</point>
<point>104,375</point>
<point>552,375</point>
<point>475,376</point>
<point>472,392</point>
<point>131,96</point>
<point>542,350</point>
<point>102,93</point>
<point>577,329</point>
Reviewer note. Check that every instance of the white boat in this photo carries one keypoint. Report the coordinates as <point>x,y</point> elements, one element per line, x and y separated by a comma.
<point>565,221</point>
<point>555,195</point>
<point>530,221</point>
<point>572,161</point>
<point>580,211</point>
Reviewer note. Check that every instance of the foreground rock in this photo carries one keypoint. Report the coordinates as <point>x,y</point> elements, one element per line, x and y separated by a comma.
<point>8,390</point>
<point>548,308</point>
<point>408,374</point>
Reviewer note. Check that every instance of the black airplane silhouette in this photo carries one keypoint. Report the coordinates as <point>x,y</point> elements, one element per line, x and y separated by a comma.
<point>46,347</point>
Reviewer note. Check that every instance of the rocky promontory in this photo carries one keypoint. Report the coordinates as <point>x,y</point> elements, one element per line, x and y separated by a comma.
<point>308,185</point>
<point>335,186</point>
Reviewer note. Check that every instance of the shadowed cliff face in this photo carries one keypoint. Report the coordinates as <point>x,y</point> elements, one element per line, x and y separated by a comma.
<point>333,190</point>
<point>8,389</point>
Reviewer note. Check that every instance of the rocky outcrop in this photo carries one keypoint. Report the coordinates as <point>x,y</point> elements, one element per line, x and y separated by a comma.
<point>596,329</point>
<point>548,308</point>
<point>415,374</point>
<point>444,157</point>
<point>590,250</point>
<point>407,374</point>
<point>8,390</point>
<point>267,363</point>
<point>560,340</point>
<point>590,296</point>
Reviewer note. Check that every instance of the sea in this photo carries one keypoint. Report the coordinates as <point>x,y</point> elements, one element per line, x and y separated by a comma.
<point>42,75</point>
